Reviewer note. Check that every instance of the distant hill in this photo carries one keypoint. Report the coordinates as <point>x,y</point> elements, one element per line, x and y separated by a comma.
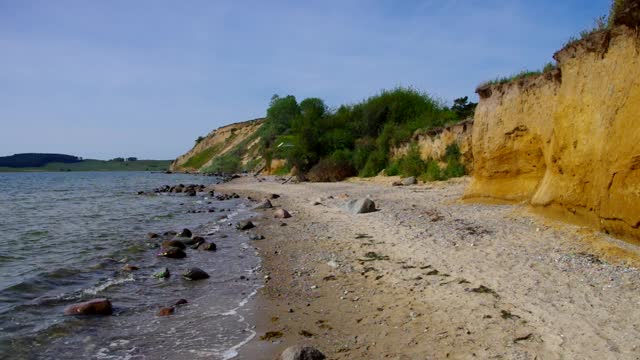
<point>36,160</point>
<point>33,162</point>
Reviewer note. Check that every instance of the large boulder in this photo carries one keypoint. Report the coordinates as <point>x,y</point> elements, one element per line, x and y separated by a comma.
<point>299,352</point>
<point>360,206</point>
<point>92,307</point>
<point>173,253</point>
<point>195,274</point>
<point>264,204</point>
<point>281,214</point>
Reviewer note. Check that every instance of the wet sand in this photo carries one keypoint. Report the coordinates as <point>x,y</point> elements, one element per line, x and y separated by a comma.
<point>430,277</point>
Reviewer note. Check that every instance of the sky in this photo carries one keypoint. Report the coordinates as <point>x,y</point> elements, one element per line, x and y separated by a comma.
<point>145,78</point>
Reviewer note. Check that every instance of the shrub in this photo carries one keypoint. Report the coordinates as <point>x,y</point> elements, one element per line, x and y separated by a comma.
<point>433,172</point>
<point>393,169</point>
<point>329,170</point>
<point>412,164</point>
<point>225,164</point>
<point>201,158</point>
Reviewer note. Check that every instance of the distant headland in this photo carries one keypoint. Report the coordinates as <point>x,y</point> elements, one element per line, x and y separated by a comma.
<point>33,162</point>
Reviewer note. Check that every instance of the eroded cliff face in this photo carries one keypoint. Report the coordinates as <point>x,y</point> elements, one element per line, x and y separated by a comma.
<point>433,143</point>
<point>568,141</point>
<point>216,143</point>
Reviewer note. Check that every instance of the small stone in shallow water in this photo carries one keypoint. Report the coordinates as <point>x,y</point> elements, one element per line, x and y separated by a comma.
<point>152,235</point>
<point>194,240</point>
<point>166,311</point>
<point>195,274</point>
<point>100,306</point>
<point>173,253</point>
<point>185,233</point>
<point>173,243</point>
<point>207,247</point>
<point>128,267</point>
<point>162,273</point>
<point>181,302</point>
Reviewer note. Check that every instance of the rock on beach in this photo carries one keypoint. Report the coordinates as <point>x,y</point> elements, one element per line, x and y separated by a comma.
<point>298,352</point>
<point>264,204</point>
<point>360,206</point>
<point>281,214</point>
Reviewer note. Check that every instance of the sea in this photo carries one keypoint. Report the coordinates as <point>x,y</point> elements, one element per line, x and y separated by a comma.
<point>64,238</point>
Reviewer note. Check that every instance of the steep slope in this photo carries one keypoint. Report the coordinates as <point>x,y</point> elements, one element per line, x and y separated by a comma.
<point>433,143</point>
<point>239,136</point>
<point>568,141</point>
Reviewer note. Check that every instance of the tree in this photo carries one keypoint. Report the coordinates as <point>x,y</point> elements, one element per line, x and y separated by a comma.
<point>463,108</point>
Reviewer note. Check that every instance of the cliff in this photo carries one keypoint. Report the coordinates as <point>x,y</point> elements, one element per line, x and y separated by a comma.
<point>239,137</point>
<point>433,143</point>
<point>568,141</point>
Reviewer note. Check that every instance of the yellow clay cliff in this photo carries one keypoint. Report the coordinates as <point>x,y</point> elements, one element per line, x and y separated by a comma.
<point>567,141</point>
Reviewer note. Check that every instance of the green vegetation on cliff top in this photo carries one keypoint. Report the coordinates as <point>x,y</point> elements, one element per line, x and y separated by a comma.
<point>350,140</point>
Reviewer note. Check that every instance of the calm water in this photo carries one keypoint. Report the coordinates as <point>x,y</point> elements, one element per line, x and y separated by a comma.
<point>64,238</point>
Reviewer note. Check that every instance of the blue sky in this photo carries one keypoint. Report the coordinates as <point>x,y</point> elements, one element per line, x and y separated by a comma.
<point>102,79</point>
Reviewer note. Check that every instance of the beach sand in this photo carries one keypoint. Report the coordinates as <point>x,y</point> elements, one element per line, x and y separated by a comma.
<point>430,277</point>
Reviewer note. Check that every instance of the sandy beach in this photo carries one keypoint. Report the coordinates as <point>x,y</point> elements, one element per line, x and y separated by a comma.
<point>430,277</point>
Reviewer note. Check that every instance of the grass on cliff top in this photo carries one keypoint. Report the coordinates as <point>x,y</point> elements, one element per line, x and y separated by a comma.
<point>600,23</point>
<point>201,158</point>
<point>521,75</point>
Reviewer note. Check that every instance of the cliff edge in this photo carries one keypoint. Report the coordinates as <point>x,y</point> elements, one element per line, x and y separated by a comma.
<point>220,142</point>
<point>568,141</point>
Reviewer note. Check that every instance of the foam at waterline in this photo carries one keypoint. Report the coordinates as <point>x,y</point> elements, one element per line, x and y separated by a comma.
<point>102,287</point>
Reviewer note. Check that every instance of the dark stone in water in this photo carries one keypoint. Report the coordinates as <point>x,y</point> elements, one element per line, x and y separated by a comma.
<point>128,267</point>
<point>185,233</point>
<point>194,240</point>
<point>191,193</point>
<point>181,302</point>
<point>197,243</point>
<point>162,273</point>
<point>166,311</point>
<point>170,233</point>
<point>152,235</point>
<point>195,274</point>
<point>100,306</point>
<point>173,243</point>
<point>256,237</point>
<point>173,253</point>
<point>207,247</point>
<point>244,225</point>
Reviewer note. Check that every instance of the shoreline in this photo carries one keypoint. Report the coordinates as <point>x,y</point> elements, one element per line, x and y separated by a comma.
<point>448,278</point>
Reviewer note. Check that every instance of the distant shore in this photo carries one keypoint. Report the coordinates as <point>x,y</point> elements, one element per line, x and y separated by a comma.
<point>427,276</point>
<point>95,165</point>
